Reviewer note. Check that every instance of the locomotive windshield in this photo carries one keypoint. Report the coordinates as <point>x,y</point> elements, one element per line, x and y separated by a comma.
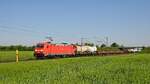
<point>39,45</point>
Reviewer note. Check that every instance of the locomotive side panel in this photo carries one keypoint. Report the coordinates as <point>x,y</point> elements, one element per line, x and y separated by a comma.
<point>64,50</point>
<point>56,50</point>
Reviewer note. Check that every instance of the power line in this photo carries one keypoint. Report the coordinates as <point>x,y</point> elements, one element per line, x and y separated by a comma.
<point>20,29</point>
<point>4,30</point>
<point>30,29</point>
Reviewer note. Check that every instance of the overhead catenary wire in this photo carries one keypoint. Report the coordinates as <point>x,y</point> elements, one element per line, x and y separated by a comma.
<point>17,28</point>
<point>32,33</point>
<point>20,29</point>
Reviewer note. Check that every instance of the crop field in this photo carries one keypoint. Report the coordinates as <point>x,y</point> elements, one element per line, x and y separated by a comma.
<point>124,69</point>
<point>10,56</point>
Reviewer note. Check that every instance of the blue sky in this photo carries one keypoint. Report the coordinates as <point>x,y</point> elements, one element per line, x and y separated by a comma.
<point>27,22</point>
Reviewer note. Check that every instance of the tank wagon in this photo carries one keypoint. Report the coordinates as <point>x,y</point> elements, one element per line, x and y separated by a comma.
<point>86,50</point>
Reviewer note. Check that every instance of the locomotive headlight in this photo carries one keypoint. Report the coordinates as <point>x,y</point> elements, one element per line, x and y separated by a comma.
<point>38,50</point>
<point>41,50</point>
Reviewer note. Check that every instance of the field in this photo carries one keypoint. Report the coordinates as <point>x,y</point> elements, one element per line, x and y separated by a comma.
<point>124,69</point>
<point>10,56</point>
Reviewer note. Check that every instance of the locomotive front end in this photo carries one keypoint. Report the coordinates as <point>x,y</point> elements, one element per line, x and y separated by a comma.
<point>39,50</point>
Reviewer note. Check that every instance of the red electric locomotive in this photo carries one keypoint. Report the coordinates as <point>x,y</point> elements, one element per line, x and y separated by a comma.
<point>47,49</point>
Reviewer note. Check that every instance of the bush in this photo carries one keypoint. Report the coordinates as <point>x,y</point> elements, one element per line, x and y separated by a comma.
<point>15,47</point>
<point>114,45</point>
<point>146,50</point>
<point>108,49</point>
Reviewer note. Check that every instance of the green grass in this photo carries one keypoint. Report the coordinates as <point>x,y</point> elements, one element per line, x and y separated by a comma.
<point>10,56</point>
<point>124,69</point>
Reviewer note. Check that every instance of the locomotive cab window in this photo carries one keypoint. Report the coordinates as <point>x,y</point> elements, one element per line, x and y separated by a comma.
<point>39,45</point>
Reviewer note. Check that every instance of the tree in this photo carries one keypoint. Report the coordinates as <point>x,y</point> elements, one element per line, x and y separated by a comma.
<point>64,43</point>
<point>11,47</point>
<point>114,45</point>
<point>14,47</point>
<point>77,44</point>
<point>103,45</point>
<point>89,44</point>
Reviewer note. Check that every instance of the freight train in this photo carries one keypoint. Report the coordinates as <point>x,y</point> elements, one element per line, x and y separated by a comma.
<point>47,49</point>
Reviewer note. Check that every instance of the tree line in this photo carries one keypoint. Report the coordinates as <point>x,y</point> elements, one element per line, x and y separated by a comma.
<point>113,46</point>
<point>104,45</point>
<point>16,47</point>
<point>31,48</point>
